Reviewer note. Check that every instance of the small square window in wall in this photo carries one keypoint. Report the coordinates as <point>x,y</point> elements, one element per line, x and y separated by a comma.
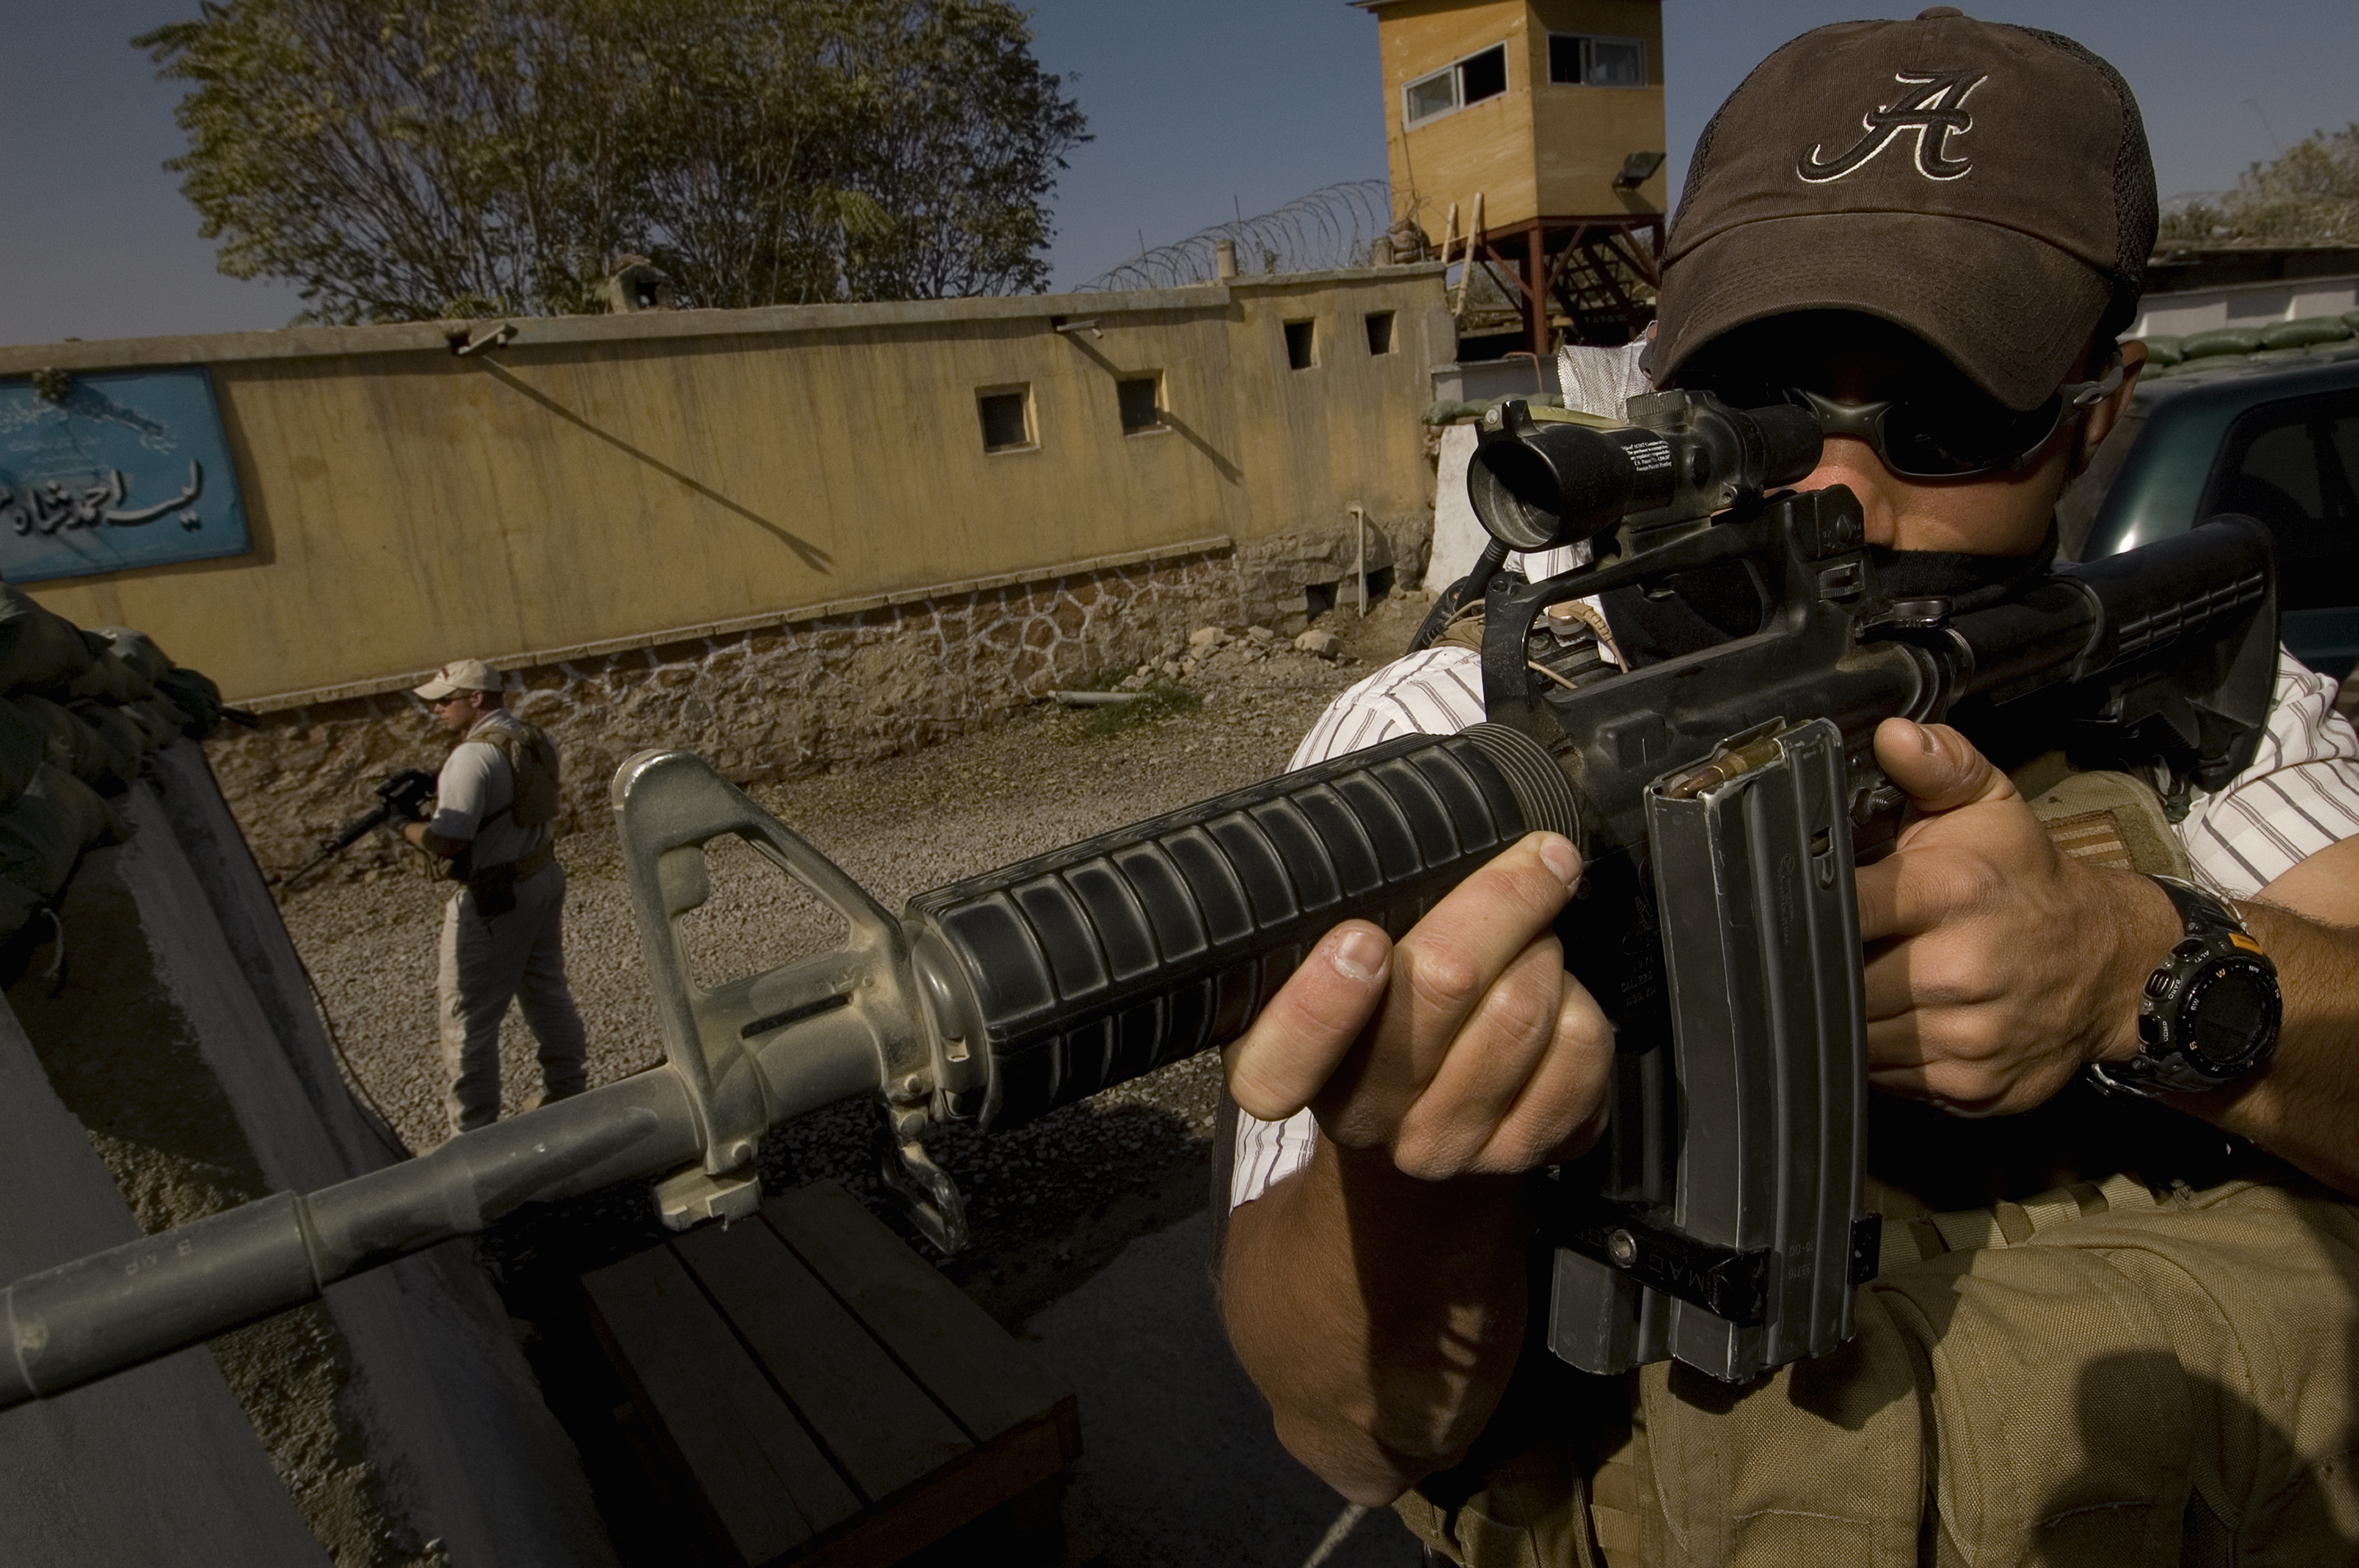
<point>1300,345</point>
<point>1142,407</point>
<point>1380,331</point>
<point>1007,413</point>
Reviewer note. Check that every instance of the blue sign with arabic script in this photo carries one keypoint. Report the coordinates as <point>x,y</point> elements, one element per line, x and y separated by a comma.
<point>110,469</point>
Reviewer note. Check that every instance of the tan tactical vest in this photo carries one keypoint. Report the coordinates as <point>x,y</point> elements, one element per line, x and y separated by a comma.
<point>531,757</point>
<point>532,761</point>
<point>2100,1333</point>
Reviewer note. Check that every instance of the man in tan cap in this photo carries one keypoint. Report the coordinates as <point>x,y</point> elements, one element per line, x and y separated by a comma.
<point>503,936</point>
<point>2106,1327</point>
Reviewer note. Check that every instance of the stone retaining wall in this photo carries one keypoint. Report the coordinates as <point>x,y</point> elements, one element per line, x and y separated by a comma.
<point>798,696</point>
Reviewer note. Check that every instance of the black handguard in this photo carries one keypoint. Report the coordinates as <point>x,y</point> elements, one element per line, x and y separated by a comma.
<point>1095,963</point>
<point>1719,801</point>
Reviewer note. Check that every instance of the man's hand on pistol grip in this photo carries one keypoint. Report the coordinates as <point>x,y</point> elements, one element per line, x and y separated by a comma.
<point>1996,965</point>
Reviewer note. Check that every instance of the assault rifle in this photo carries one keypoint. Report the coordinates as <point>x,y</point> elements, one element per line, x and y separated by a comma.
<point>398,796</point>
<point>1721,800</point>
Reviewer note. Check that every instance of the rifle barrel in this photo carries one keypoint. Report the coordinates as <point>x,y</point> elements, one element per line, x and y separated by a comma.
<point>343,841</point>
<point>147,1298</point>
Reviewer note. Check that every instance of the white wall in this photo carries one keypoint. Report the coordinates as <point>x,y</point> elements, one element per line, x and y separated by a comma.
<point>2245,304</point>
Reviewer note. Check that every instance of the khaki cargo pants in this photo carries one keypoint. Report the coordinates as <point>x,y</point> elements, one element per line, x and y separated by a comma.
<point>488,961</point>
<point>2100,1376</point>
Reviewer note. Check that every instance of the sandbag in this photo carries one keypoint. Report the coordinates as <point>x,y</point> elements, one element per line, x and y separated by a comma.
<point>2163,349</point>
<point>24,746</point>
<point>61,730</point>
<point>2305,333</point>
<point>197,698</point>
<point>117,743</point>
<point>16,907</point>
<point>159,722</point>
<point>45,830</point>
<point>69,743</point>
<point>110,677</point>
<point>39,650</point>
<point>2220,341</point>
<point>138,650</point>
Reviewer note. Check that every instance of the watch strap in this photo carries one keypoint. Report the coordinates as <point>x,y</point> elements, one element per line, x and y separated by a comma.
<point>2199,912</point>
<point>2210,925</point>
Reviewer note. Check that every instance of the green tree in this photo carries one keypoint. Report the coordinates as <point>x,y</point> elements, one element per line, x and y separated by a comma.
<point>2308,195</point>
<point>407,160</point>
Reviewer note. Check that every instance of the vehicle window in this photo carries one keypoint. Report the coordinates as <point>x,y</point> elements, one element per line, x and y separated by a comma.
<point>2084,498</point>
<point>2291,465</point>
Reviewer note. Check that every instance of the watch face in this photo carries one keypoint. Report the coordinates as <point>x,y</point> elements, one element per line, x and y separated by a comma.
<point>2228,1015</point>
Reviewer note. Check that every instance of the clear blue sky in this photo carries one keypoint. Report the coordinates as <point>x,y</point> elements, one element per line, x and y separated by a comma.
<point>1200,108</point>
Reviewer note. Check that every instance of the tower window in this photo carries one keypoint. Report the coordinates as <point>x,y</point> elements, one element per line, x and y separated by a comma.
<point>1299,345</point>
<point>1380,331</point>
<point>1577,60</point>
<point>1469,81</point>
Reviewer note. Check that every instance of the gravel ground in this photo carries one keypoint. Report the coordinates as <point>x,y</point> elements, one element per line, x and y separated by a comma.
<point>1047,1203</point>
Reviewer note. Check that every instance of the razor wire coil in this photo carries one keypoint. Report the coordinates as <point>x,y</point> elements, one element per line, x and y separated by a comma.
<point>1335,226</point>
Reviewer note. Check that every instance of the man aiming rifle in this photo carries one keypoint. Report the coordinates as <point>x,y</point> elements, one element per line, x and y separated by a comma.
<point>2091,1325</point>
<point>2102,1330</point>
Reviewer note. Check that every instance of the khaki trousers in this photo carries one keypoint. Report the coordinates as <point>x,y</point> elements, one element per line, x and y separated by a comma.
<point>485,964</point>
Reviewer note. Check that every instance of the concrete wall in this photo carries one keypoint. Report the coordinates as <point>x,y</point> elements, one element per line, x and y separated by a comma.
<point>760,703</point>
<point>2243,305</point>
<point>397,1412</point>
<point>598,485</point>
<point>1540,149</point>
<point>158,1465</point>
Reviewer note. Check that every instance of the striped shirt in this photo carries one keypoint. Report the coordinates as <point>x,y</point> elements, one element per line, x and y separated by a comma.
<point>2301,794</point>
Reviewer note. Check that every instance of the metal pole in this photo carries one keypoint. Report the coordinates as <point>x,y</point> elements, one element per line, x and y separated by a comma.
<point>1536,289</point>
<point>1360,554</point>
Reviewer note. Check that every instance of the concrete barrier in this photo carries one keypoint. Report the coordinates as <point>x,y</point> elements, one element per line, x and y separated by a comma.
<point>398,1411</point>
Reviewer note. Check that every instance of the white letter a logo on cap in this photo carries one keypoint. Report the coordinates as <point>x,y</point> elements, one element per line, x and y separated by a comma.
<point>1938,106</point>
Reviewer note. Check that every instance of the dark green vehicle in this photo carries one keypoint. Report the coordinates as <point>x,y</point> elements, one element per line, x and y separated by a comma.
<point>2275,439</point>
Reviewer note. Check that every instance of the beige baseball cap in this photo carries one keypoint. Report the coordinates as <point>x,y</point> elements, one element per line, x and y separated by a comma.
<point>1986,187</point>
<point>460,675</point>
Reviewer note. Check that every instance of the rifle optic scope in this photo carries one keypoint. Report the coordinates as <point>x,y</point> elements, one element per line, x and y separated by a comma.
<point>1539,479</point>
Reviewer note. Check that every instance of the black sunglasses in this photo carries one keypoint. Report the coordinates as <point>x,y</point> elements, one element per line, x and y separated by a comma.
<point>1956,435</point>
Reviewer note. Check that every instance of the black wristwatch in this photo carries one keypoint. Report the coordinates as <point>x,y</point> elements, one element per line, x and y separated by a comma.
<point>2209,1014</point>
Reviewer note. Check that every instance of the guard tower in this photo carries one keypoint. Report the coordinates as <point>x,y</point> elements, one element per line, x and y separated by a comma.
<point>1525,138</point>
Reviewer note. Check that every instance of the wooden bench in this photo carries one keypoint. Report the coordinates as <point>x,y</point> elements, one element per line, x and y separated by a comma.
<point>825,1396</point>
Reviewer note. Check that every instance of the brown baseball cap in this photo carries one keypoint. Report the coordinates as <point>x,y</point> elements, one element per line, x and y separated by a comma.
<point>1986,185</point>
